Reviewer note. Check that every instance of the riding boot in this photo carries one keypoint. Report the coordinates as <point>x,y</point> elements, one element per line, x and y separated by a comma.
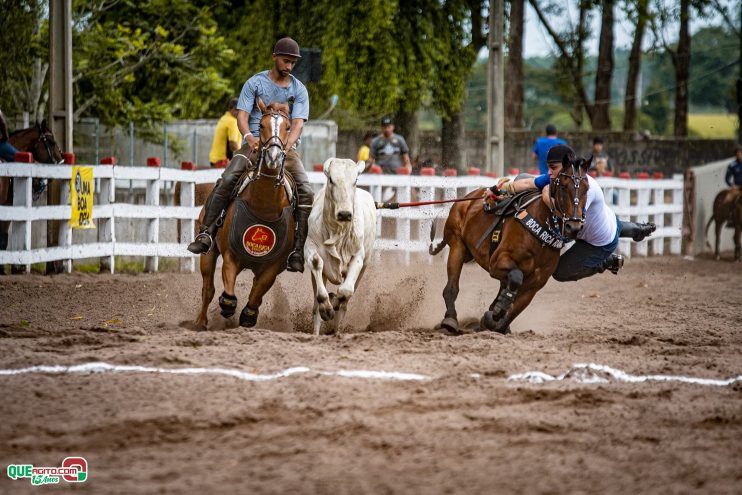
<point>613,264</point>
<point>637,231</point>
<point>296,258</point>
<point>217,202</point>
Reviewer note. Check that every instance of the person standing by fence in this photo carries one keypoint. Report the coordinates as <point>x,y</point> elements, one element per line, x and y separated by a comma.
<point>542,146</point>
<point>227,138</point>
<point>389,150</point>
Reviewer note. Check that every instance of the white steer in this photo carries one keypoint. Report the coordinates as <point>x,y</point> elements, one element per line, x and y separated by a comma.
<point>342,231</point>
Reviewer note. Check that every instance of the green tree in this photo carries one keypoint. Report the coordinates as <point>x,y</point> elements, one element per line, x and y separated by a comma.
<point>146,62</point>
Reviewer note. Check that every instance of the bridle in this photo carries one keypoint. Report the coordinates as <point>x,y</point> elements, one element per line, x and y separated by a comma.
<point>272,142</point>
<point>46,138</point>
<point>557,211</point>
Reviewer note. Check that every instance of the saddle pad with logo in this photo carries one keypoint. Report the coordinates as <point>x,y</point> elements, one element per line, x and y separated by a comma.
<point>256,240</point>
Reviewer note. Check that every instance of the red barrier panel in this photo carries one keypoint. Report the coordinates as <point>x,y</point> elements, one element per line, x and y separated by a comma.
<point>403,171</point>
<point>474,171</point>
<point>153,161</point>
<point>318,167</point>
<point>534,171</point>
<point>187,166</point>
<point>513,171</point>
<point>491,174</point>
<point>69,158</point>
<point>592,173</point>
<point>427,171</point>
<point>109,160</point>
<point>658,175</point>
<point>375,169</point>
<point>608,173</point>
<point>23,157</point>
<point>624,175</point>
<point>221,164</point>
<point>642,175</point>
<point>450,172</point>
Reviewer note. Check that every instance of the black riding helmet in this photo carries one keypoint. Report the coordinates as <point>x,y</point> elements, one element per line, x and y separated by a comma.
<point>558,152</point>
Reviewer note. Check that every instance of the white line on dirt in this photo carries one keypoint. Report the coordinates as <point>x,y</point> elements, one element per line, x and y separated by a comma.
<point>89,368</point>
<point>598,373</point>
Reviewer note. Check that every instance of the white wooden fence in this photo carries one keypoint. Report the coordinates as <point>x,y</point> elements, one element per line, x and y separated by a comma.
<point>405,230</point>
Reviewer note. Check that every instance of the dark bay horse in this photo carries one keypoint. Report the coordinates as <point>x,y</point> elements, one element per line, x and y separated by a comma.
<point>727,208</point>
<point>39,141</point>
<point>522,262</point>
<point>268,201</point>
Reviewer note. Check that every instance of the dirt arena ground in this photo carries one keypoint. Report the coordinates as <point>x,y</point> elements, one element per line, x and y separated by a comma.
<point>466,428</point>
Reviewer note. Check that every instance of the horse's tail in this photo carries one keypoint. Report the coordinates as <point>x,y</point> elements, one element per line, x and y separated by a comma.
<point>437,249</point>
<point>706,234</point>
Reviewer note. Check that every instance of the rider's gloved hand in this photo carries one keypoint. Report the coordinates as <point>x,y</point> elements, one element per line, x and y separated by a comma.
<point>504,188</point>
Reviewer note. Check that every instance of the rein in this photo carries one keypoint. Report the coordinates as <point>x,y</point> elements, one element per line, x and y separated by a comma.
<point>394,206</point>
<point>553,222</point>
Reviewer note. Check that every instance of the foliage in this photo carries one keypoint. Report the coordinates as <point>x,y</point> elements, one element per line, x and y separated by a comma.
<point>146,62</point>
<point>20,37</point>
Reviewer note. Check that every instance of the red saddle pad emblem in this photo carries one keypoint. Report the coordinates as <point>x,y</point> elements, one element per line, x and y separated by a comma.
<point>259,240</point>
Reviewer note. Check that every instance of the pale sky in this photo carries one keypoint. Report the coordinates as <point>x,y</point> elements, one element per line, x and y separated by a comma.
<point>538,42</point>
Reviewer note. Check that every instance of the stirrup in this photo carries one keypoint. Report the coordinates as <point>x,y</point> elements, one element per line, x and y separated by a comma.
<point>195,246</point>
<point>300,256</point>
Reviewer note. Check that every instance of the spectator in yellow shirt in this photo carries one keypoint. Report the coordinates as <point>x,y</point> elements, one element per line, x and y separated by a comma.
<point>227,138</point>
<point>363,151</point>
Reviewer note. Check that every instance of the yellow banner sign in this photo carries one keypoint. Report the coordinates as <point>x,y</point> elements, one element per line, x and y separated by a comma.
<point>81,197</point>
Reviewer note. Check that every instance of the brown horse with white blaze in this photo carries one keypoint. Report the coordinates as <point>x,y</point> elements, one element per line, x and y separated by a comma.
<point>530,239</point>
<point>265,196</point>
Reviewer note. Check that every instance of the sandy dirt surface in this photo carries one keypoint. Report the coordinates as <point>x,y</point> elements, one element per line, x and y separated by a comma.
<point>464,429</point>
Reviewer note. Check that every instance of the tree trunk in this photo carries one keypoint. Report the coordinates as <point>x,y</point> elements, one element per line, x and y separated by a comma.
<point>682,67</point>
<point>635,60</point>
<point>406,125</point>
<point>601,120</point>
<point>452,142</point>
<point>514,71</point>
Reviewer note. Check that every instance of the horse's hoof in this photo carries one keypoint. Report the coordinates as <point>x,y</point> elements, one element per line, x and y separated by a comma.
<point>488,321</point>
<point>451,324</point>
<point>248,317</point>
<point>228,303</point>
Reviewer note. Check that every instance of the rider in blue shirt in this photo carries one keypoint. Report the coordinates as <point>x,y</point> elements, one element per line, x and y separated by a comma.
<point>7,150</point>
<point>733,177</point>
<point>542,146</point>
<point>593,249</point>
<point>274,85</point>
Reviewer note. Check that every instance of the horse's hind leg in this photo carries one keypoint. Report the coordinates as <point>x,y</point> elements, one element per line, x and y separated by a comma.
<point>496,318</point>
<point>718,225</point>
<point>737,243</point>
<point>207,263</point>
<point>262,283</point>
<point>456,257</point>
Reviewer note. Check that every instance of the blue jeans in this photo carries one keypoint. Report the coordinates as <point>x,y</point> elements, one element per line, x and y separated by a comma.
<point>7,151</point>
<point>583,259</point>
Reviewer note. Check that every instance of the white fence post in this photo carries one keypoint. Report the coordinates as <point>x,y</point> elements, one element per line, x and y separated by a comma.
<point>152,198</point>
<point>658,244</point>
<point>107,225</point>
<point>187,227</point>
<point>677,221</point>
<point>20,231</point>
<point>65,232</point>
<point>642,203</point>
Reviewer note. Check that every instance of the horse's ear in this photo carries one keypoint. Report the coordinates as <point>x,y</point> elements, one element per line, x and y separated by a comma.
<point>326,166</point>
<point>585,165</point>
<point>360,166</point>
<point>566,162</point>
<point>261,105</point>
<point>43,124</point>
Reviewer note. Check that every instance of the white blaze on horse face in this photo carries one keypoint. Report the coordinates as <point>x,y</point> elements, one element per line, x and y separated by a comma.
<point>275,152</point>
